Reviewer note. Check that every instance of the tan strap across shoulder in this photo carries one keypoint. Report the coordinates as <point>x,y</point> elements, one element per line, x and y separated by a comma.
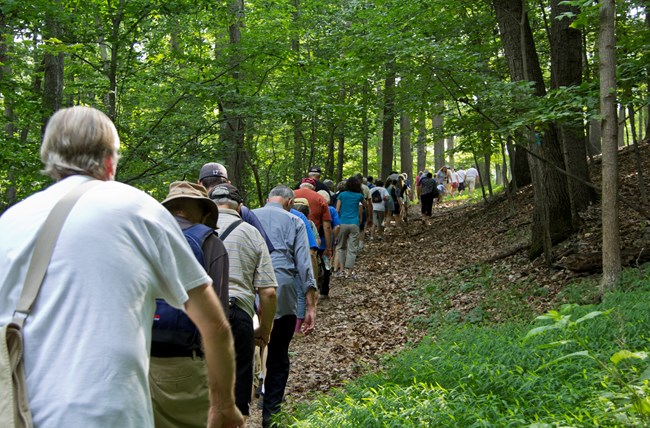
<point>45,242</point>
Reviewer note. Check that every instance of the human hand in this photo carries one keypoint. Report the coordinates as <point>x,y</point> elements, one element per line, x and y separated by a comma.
<point>310,320</point>
<point>261,337</point>
<point>225,417</point>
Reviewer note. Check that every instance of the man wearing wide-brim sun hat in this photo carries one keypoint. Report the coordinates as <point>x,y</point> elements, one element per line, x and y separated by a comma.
<point>187,404</point>
<point>192,200</point>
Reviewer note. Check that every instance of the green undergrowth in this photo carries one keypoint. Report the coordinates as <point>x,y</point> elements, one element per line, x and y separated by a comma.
<point>576,366</point>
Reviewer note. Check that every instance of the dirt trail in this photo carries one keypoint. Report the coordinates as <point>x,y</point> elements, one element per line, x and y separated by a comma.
<point>372,314</point>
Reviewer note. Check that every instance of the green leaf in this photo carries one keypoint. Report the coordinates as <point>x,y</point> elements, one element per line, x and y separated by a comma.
<point>590,315</point>
<point>566,357</point>
<point>625,355</point>
<point>539,330</point>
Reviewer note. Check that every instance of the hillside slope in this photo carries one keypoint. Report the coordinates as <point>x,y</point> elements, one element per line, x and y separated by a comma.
<point>377,312</point>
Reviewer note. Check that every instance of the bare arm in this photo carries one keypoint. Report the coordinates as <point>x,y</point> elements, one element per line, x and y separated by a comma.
<point>205,311</point>
<point>268,304</point>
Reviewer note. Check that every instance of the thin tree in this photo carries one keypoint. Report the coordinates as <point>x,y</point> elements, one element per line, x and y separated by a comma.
<point>609,127</point>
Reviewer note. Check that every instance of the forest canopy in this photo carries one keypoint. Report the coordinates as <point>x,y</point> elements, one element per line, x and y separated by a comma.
<point>271,87</point>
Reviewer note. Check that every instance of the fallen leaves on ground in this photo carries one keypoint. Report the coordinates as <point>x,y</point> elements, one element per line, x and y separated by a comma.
<point>371,315</point>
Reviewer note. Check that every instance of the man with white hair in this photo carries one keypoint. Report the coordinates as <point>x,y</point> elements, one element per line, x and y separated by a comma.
<point>290,259</point>
<point>87,338</point>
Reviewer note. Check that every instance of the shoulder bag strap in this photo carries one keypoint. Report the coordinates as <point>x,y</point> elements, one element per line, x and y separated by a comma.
<point>45,242</point>
<point>232,226</point>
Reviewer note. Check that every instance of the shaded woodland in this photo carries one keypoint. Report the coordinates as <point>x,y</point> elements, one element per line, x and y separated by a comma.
<point>271,87</point>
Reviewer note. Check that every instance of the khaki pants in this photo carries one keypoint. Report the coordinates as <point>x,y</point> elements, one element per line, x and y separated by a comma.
<point>179,392</point>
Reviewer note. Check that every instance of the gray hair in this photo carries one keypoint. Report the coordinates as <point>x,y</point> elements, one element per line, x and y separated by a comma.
<point>307,186</point>
<point>77,140</point>
<point>283,191</point>
<point>233,205</point>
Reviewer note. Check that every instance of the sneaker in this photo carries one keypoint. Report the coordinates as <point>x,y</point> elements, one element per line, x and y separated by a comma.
<point>323,297</point>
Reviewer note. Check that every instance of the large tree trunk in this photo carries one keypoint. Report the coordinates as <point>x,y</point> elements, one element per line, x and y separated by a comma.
<point>611,234</point>
<point>53,71</point>
<point>550,186</point>
<point>422,142</point>
<point>518,166</point>
<point>234,126</point>
<point>566,70</point>
<point>406,153</point>
<point>437,122</point>
<point>389,122</point>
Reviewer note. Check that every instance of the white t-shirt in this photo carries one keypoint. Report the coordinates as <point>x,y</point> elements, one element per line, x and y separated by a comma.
<point>87,340</point>
<point>471,173</point>
<point>461,175</point>
<point>379,206</point>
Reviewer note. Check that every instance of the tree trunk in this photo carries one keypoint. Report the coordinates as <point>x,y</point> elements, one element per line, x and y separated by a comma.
<point>388,122</point>
<point>234,126</point>
<point>620,138</point>
<point>329,162</point>
<point>422,142</point>
<point>341,152</point>
<point>611,234</point>
<point>450,150</point>
<point>595,147</point>
<point>112,68</point>
<point>52,70</point>
<point>637,157</point>
<point>550,186</point>
<point>406,152</point>
<point>437,122</point>
<point>519,166</point>
<point>566,70</point>
<point>365,131</point>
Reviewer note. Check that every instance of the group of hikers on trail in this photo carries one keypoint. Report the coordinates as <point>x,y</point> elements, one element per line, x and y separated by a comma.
<point>154,314</point>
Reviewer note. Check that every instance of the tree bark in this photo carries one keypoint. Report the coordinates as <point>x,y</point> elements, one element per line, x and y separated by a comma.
<point>388,122</point>
<point>610,222</point>
<point>234,126</point>
<point>566,70</point>
<point>53,68</point>
<point>437,122</point>
<point>365,131</point>
<point>341,152</point>
<point>406,152</point>
<point>422,142</point>
<point>550,186</point>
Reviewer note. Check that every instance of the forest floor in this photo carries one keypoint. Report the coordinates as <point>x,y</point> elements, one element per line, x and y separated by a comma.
<point>372,314</point>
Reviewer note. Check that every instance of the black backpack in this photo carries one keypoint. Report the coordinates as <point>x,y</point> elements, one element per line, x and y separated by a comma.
<point>376,196</point>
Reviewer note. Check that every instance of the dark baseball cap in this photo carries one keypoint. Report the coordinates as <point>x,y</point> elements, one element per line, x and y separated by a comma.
<point>213,169</point>
<point>314,169</point>
<point>226,191</point>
